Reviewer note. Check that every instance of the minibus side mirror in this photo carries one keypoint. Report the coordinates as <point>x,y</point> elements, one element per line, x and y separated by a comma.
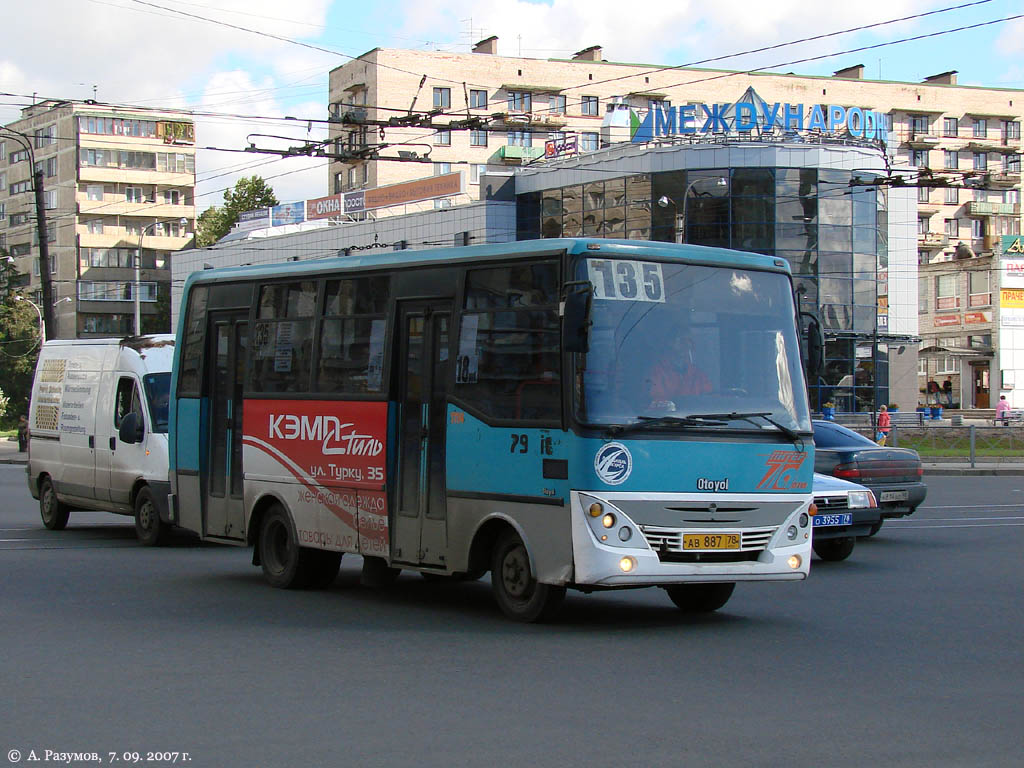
<point>576,316</point>
<point>130,430</point>
<point>814,341</point>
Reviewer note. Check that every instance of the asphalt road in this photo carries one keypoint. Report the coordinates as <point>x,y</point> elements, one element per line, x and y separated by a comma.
<point>907,654</point>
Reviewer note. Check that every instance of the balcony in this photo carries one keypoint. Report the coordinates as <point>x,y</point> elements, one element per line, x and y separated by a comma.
<point>519,154</point>
<point>922,140</point>
<point>1004,179</point>
<point>522,120</point>
<point>932,240</point>
<point>977,209</point>
<point>120,237</point>
<point>121,207</point>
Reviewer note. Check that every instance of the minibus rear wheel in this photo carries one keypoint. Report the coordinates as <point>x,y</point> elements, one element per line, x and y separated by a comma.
<point>286,565</point>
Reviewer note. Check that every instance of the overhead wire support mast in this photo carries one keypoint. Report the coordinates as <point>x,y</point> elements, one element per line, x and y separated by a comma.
<point>45,277</point>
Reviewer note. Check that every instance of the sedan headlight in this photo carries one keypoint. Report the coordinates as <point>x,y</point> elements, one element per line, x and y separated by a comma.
<point>861,499</point>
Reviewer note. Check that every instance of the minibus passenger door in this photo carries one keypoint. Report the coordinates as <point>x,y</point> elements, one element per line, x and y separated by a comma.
<point>420,534</point>
<point>225,511</point>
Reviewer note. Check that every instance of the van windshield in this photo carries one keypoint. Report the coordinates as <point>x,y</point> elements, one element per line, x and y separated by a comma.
<point>158,391</point>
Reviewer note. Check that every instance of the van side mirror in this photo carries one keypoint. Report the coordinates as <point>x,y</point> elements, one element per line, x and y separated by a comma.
<point>130,430</point>
<point>576,316</point>
<point>814,346</point>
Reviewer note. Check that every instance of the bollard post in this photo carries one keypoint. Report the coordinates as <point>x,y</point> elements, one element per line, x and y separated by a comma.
<point>894,433</point>
<point>972,427</point>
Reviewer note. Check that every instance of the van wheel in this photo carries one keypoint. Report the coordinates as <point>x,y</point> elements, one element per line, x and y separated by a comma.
<point>519,595</point>
<point>286,565</point>
<point>700,598</point>
<point>53,511</point>
<point>834,550</point>
<point>149,529</point>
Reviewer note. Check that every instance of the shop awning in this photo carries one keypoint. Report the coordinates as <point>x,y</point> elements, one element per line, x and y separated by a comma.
<point>938,351</point>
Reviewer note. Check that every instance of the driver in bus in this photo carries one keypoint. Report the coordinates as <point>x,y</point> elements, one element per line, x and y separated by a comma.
<point>676,376</point>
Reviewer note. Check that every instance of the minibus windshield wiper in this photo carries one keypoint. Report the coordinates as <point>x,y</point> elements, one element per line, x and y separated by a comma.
<point>766,415</point>
<point>665,421</point>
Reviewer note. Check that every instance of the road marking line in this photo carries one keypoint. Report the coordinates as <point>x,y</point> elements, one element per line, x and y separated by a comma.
<point>974,506</point>
<point>941,519</point>
<point>983,525</point>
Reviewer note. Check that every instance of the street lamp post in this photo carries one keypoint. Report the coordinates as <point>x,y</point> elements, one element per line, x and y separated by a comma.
<point>664,201</point>
<point>42,325</point>
<point>44,247</point>
<point>138,271</point>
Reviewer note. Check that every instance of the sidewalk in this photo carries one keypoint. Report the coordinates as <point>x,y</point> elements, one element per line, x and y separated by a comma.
<point>9,454</point>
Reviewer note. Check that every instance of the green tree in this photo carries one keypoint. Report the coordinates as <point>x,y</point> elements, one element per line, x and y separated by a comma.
<point>19,344</point>
<point>248,195</point>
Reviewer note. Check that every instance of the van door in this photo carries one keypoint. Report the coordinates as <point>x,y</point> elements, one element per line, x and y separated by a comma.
<point>228,336</point>
<point>421,519</point>
<point>127,460</point>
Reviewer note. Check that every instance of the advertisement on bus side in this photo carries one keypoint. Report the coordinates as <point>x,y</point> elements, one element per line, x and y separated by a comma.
<point>334,453</point>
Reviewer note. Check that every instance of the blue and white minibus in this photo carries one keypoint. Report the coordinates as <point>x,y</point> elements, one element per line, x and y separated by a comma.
<point>566,413</point>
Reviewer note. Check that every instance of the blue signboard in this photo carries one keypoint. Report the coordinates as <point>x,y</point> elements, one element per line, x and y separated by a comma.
<point>289,213</point>
<point>752,114</point>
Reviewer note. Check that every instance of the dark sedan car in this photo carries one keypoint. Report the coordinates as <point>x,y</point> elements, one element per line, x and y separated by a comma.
<point>893,474</point>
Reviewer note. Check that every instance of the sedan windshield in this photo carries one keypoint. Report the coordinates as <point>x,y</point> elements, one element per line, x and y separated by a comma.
<point>713,347</point>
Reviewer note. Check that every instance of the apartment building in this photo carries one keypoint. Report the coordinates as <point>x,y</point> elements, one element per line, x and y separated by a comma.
<point>117,182</point>
<point>958,146</point>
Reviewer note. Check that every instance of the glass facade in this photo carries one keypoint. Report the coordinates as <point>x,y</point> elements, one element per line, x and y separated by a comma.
<point>830,229</point>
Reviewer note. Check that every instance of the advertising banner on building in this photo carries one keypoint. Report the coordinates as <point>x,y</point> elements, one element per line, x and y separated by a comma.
<point>429,188</point>
<point>943,321</point>
<point>1011,298</point>
<point>289,213</point>
<point>250,220</point>
<point>324,207</point>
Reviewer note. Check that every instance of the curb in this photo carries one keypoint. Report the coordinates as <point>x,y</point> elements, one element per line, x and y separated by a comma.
<point>983,471</point>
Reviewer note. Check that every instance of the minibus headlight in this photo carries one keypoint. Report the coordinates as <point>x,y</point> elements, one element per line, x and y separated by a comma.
<point>596,509</point>
<point>795,561</point>
<point>791,533</point>
<point>627,564</point>
<point>625,534</point>
<point>608,520</point>
<point>803,520</point>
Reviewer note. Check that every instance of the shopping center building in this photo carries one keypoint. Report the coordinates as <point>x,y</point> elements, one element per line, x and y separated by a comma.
<point>856,182</point>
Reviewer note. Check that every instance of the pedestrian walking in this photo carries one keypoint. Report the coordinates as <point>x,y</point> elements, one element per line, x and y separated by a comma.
<point>884,425</point>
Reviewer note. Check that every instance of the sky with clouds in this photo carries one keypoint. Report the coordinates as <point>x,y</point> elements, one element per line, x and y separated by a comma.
<point>196,55</point>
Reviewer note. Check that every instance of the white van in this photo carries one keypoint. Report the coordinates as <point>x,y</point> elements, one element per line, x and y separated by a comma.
<point>98,430</point>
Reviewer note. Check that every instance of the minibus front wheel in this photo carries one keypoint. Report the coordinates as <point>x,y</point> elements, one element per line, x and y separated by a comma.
<point>516,590</point>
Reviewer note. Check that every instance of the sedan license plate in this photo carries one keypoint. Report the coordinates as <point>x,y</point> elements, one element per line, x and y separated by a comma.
<point>823,521</point>
<point>711,541</point>
<point>893,496</point>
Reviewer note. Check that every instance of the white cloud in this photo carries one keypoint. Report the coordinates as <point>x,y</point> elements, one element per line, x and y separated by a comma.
<point>121,52</point>
<point>655,33</point>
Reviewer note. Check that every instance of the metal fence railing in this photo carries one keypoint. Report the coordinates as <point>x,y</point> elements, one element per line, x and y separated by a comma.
<point>969,442</point>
